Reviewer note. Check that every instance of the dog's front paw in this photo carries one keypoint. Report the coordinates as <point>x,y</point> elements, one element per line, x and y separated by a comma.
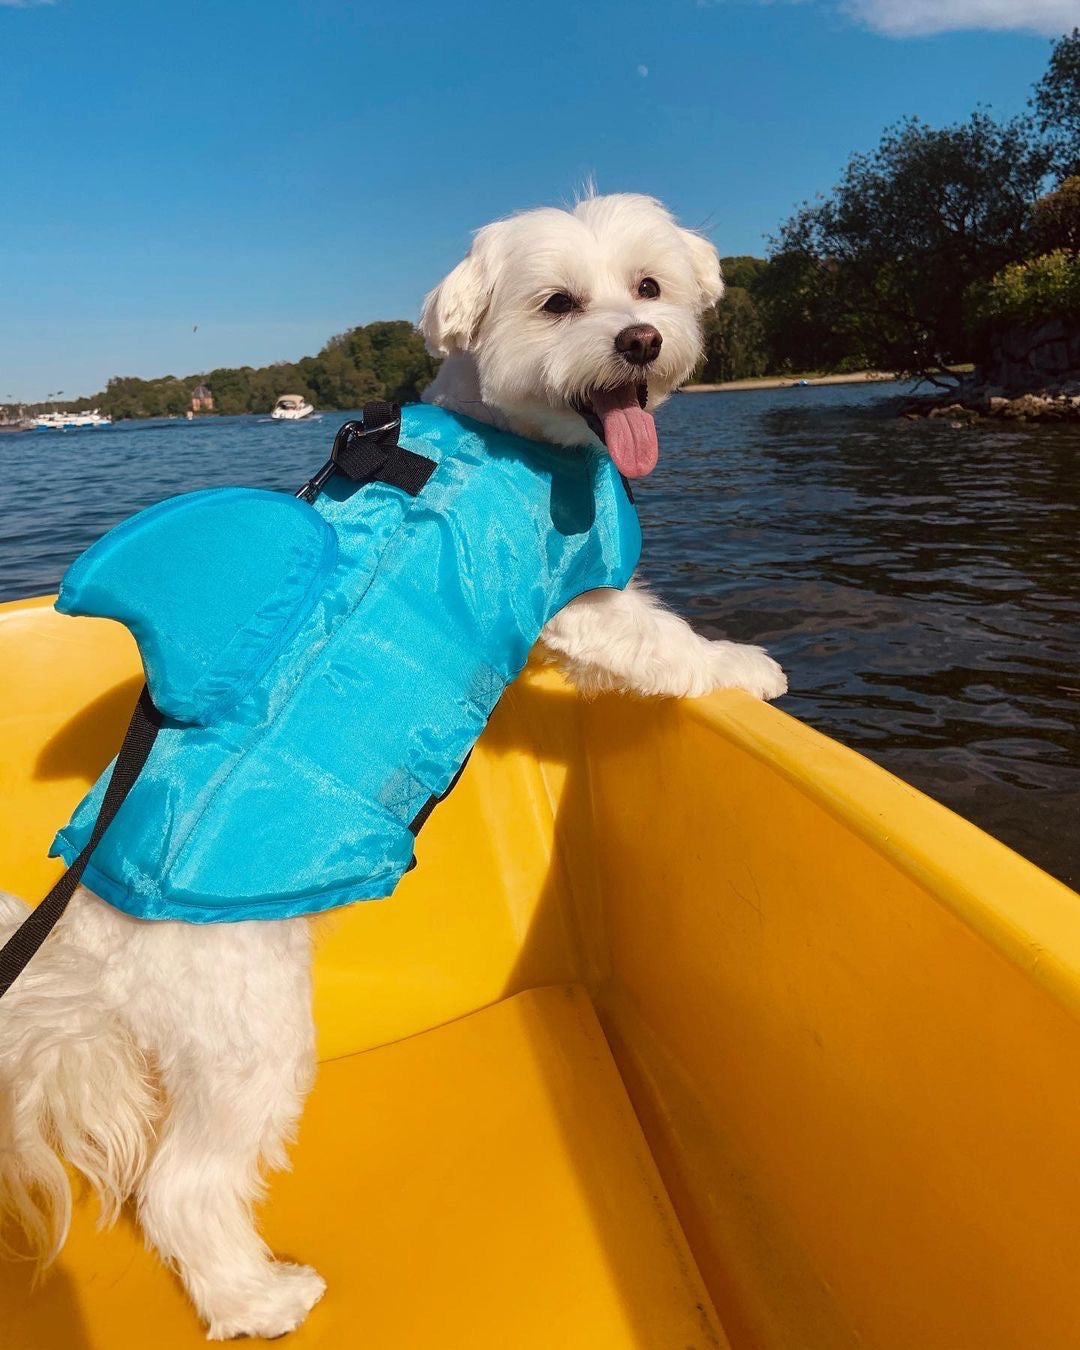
<point>278,1304</point>
<point>736,665</point>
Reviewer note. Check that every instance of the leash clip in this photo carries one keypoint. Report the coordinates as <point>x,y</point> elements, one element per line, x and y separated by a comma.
<point>369,441</point>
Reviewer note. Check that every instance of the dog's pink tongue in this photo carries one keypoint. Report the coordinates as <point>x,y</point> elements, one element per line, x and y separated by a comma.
<point>629,431</point>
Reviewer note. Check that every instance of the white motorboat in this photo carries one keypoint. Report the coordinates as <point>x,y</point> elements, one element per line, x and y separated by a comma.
<point>291,408</point>
<point>66,421</point>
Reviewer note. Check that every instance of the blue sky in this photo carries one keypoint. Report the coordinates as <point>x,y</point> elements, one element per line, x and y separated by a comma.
<point>276,172</point>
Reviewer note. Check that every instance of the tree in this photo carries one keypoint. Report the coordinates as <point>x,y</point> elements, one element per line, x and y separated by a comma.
<point>883,264</point>
<point>742,271</point>
<point>1055,222</point>
<point>400,359</point>
<point>802,315</point>
<point>381,360</point>
<point>734,339</point>
<point>1057,105</point>
<point>1045,285</point>
<point>1027,292</point>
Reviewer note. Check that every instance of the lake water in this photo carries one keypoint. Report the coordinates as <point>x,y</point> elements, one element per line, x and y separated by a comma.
<point>919,582</point>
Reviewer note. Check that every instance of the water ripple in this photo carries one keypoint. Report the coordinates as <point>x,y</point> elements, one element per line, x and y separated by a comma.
<point>918,582</point>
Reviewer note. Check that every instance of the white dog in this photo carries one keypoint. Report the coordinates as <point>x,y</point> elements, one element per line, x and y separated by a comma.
<point>170,1061</point>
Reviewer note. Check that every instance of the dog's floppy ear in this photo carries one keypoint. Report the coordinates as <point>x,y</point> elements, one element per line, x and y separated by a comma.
<point>706,264</point>
<point>455,309</point>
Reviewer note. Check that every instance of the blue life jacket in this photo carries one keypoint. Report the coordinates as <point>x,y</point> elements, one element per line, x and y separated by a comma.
<point>324,670</point>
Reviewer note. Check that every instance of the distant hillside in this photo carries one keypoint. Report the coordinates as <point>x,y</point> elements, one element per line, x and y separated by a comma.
<point>380,360</point>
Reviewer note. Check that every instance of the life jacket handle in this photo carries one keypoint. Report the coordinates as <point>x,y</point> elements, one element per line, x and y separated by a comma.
<point>368,451</point>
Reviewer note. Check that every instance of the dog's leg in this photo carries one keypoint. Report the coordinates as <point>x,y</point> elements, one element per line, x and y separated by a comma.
<point>232,1031</point>
<point>74,1083</point>
<point>627,640</point>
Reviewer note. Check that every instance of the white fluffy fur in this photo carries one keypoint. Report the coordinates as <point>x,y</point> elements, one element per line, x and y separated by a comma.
<point>219,1017</point>
<point>508,361</point>
<point>169,1062</point>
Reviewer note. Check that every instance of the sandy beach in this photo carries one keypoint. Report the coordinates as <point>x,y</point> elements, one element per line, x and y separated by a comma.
<point>790,381</point>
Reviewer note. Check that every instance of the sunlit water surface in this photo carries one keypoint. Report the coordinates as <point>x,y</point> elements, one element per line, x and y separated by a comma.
<point>918,581</point>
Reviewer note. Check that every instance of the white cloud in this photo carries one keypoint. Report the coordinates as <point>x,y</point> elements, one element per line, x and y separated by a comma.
<point>643,71</point>
<point>915,18</point>
<point>921,18</point>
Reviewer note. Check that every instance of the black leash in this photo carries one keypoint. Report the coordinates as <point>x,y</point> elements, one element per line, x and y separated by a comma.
<point>364,451</point>
<point>20,947</point>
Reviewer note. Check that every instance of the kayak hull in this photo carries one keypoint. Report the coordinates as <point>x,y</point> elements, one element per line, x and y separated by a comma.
<point>726,1033</point>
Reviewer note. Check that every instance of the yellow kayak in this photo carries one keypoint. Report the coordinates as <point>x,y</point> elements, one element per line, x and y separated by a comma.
<point>691,1029</point>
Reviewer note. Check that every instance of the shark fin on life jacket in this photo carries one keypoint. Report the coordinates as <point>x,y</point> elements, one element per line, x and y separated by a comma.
<point>212,585</point>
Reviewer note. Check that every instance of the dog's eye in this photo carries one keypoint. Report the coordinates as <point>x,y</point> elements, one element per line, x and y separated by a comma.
<point>648,289</point>
<point>559,303</point>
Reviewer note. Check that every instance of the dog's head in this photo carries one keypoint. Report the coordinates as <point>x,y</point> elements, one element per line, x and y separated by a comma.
<point>580,322</point>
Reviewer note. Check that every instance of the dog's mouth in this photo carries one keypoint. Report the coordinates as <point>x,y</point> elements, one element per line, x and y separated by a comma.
<point>620,418</point>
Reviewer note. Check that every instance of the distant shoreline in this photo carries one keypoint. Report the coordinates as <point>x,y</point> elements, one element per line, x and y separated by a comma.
<point>792,382</point>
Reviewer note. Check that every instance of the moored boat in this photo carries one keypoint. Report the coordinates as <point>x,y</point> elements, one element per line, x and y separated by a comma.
<point>66,421</point>
<point>691,1028</point>
<point>291,408</point>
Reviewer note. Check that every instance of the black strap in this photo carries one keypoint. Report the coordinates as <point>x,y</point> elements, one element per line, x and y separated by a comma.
<point>368,451</point>
<point>363,451</point>
<point>421,818</point>
<point>28,937</point>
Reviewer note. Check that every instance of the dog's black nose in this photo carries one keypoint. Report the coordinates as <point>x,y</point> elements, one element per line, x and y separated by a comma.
<point>639,344</point>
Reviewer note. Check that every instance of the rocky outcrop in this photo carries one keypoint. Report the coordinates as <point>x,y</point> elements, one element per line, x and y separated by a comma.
<point>1024,358</point>
<point>975,403</point>
<point>1027,372</point>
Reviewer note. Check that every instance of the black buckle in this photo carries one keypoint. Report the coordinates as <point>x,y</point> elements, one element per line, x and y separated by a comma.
<point>359,446</point>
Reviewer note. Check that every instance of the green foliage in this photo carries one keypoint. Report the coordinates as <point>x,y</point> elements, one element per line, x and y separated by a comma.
<point>1055,221</point>
<point>1057,105</point>
<point>1043,287</point>
<point>127,396</point>
<point>742,271</point>
<point>381,360</point>
<point>882,266</point>
<point>889,269</point>
<point>806,327</point>
<point>773,319</point>
<point>735,344</point>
